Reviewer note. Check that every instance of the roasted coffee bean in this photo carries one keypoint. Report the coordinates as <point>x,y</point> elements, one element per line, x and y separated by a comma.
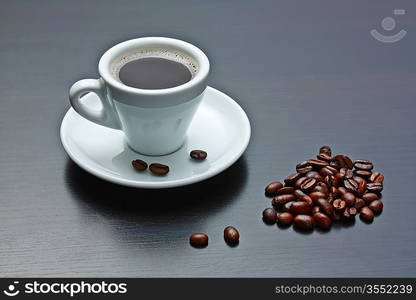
<point>159,169</point>
<point>362,187</point>
<point>321,187</point>
<point>341,190</point>
<point>363,173</point>
<point>363,164</point>
<point>314,175</point>
<point>304,167</point>
<point>349,198</point>
<point>287,205</point>
<point>316,195</point>
<point>377,177</point>
<point>231,235</point>
<point>328,170</point>
<point>199,240</point>
<point>303,197</point>
<point>339,205</point>
<point>308,184</point>
<point>375,187</point>
<point>282,199</point>
<point>315,210</point>
<point>359,203</point>
<point>376,206</point>
<point>198,154</point>
<point>272,188</point>
<point>299,208</point>
<point>291,179</point>
<point>359,179</point>
<point>285,218</point>
<point>345,173</point>
<point>322,220</point>
<point>325,157</point>
<point>139,165</point>
<point>317,164</point>
<point>351,185</point>
<point>285,190</point>
<point>326,150</point>
<point>335,165</point>
<point>370,197</point>
<point>344,161</point>
<point>304,222</point>
<point>346,214</point>
<point>352,211</point>
<point>269,215</point>
<point>325,206</point>
<point>299,182</point>
<point>366,214</point>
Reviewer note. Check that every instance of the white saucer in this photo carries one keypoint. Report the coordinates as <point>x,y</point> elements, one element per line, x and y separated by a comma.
<point>220,127</point>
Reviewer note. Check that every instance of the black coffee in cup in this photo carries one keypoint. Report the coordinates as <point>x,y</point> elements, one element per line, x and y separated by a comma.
<point>155,69</point>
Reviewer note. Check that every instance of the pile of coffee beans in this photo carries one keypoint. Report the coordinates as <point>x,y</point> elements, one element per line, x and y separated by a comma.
<point>325,190</point>
<point>200,240</point>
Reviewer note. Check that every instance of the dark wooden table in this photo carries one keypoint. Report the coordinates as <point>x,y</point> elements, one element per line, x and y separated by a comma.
<point>306,72</point>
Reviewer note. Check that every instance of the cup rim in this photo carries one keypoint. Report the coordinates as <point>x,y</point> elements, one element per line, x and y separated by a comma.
<point>117,50</point>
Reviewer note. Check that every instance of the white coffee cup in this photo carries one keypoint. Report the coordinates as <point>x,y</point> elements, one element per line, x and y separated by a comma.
<point>154,121</point>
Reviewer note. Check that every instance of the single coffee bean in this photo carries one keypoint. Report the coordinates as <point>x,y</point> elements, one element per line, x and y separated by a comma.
<point>314,175</point>
<point>231,235</point>
<point>322,220</point>
<point>304,222</point>
<point>199,240</point>
<point>363,164</point>
<point>317,164</point>
<point>287,205</point>
<point>375,187</point>
<point>139,165</point>
<point>345,173</point>
<point>363,173</point>
<point>341,190</point>
<point>198,154</point>
<point>339,205</point>
<point>366,214</point>
<point>344,161</point>
<point>359,203</point>
<point>328,170</point>
<point>303,197</point>
<point>359,179</point>
<point>316,195</point>
<point>351,185</point>
<point>304,167</point>
<point>269,215</point>
<point>325,157</point>
<point>377,177</point>
<point>272,188</point>
<point>362,187</point>
<point>159,169</point>
<point>370,197</point>
<point>352,211</point>
<point>315,210</point>
<point>285,190</point>
<point>349,198</point>
<point>282,199</point>
<point>308,184</point>
<point>326,150</point>
<point>325,206</point>
<point>291,179</point>
<point>376,206</point>
<point>285,218</point>
<point>299,182</point>
<point>300,208</point>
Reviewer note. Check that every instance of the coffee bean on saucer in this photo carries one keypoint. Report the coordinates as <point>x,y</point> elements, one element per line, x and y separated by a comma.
<point>139,165</point>
<point>272,188</point>
<point>285,218</point>
<point>304,222</point>
<point>231,235</point>
<point>363,164</point>
<point>322,220</point>
<point>377,177</point>
<point>199,240</point>
<point>376,206</point>
<point>269,215</point>
<point>198,154</point>
<point>326,150</point>
<point>366,214</point>
<point>159,169</point>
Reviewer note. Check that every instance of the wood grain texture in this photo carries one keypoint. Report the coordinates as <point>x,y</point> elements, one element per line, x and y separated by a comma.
<point>307,73</point>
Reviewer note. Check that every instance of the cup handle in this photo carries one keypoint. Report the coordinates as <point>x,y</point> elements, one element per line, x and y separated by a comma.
<point>106,116</point>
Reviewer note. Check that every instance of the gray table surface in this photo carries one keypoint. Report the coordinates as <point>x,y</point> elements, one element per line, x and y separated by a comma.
<point>306,72</point>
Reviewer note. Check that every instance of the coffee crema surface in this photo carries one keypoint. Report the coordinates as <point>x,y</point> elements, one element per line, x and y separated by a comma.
<point>154,69</point>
